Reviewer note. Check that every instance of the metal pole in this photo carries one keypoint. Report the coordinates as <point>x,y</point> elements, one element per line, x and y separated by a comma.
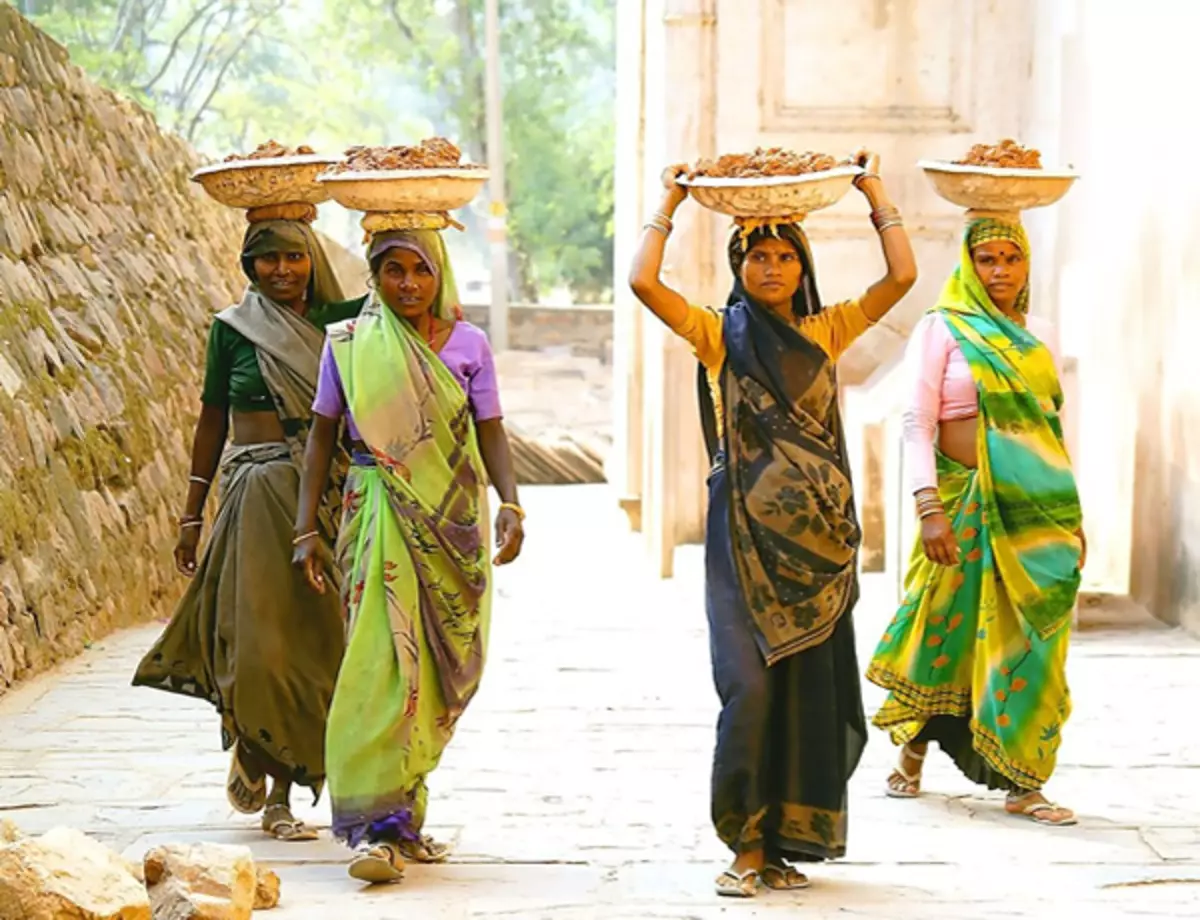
<point>497,212</point>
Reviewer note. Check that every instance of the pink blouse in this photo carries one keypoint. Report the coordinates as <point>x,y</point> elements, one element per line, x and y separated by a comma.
<point>941,389</point>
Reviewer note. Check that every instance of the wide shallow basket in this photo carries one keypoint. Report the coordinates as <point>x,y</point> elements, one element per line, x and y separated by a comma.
<point>990,188</point>
<point>772,196</point>
<point>426,190</point>
<point>263,183</point>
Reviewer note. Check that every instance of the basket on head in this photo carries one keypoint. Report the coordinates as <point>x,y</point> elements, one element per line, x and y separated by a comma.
<point>771,196</point>
<point>405,199</point>
<point>998,190</point>
<point>266,183</point>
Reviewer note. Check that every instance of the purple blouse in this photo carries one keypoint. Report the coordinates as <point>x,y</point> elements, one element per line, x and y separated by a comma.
<point>466,353</point>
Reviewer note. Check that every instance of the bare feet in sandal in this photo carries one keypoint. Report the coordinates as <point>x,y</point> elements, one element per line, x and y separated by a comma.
<point>779,876</point>
<point>425,850</point>
<point>1039,809</point>
<point>378,864</point>
<point>279,822</point>
<point>742,879</point>
<point>905,781</point>
<point>246,787</point>
<point>731,884</point>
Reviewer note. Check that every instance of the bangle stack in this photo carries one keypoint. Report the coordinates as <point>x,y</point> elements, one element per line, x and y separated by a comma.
<point>661,223</point>
<point>190,520</point>
<point>886,218</point>
<point>515,509</point>
<point>929,503</point>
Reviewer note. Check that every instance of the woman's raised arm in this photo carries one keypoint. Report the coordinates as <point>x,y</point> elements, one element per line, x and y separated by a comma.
<point>664,302</point>
<point>897,250</point>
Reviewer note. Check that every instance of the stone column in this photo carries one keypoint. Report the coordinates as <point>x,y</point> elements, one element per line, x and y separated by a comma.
<point>680,125</point>
<point>625,464</point>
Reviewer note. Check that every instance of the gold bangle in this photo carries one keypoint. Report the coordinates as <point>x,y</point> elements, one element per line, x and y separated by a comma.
<point>306,536</point>
<point>515,509</point>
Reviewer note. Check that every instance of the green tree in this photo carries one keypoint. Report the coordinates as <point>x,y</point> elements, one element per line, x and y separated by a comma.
<point>558,76</point>
<point>230,74</point>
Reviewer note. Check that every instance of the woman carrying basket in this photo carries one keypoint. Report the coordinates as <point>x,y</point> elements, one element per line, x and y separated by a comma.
<point>417,388</point>
<point>975,658</point>
<point>782,535</point>
<point>248,636</point>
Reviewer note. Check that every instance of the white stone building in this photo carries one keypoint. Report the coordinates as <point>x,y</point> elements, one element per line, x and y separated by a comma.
<point>1089,82</point>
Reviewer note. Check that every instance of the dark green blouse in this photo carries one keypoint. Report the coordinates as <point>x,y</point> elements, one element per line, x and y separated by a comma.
<point>232,377</point>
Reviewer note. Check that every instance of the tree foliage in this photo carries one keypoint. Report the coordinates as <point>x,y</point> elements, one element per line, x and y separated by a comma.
<point>229,74</point>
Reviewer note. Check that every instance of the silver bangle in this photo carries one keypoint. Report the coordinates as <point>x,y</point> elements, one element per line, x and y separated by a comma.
<point>197,479</point>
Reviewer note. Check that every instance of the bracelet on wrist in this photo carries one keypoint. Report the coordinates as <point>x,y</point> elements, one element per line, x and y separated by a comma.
<point>305,536</point>
<point>515,509</point>
<point>863,177</point>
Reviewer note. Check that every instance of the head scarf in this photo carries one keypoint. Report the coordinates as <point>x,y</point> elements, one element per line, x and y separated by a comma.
<point>982,230</point>
<point>806,301</point>
<point>431,247</point>
<point>292,236</point>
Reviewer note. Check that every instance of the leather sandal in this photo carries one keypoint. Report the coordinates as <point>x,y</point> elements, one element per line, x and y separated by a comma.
<point>247,796</point>
<point>903,785</point>
<point>425,850</point>
<point>280,823</point>
<point>779,876</point>
<point>732,885</point>
<point>379,864</point>
<point>1039,812</point>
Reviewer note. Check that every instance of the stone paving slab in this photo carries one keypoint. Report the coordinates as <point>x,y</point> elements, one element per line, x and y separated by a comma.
<point>577,785</point>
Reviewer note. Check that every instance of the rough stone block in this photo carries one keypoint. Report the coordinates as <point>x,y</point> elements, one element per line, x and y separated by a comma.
<point>266,892</point>
<point>65,875</point>
<point>201,882</point>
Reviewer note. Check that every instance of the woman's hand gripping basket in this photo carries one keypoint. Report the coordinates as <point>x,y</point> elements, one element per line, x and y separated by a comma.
<point>770,185</point>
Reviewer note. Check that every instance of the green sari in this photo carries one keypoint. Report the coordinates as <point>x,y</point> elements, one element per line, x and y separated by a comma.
<point>975,658</point>
<point>416,575</point>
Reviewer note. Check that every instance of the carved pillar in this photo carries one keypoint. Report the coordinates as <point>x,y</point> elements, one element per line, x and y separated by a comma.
<point>625,464</point>
<point>680,125</point>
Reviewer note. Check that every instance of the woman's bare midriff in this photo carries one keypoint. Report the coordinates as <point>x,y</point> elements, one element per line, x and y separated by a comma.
<point>256,428</point>
<point>956,439</point>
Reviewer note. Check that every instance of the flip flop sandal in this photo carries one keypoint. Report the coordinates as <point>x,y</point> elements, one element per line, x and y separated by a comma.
<point>379,865</point>
<point>425,850</point>
<point>732,885</point>
<point>1036,812</point>
<point>245,795</point>
<point>280,823</point>
<point>912,783</point>
<point>782,877</point>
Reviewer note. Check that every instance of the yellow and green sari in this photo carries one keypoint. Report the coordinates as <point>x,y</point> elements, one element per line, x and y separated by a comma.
<point>416,578</point>
<point>975,658</point>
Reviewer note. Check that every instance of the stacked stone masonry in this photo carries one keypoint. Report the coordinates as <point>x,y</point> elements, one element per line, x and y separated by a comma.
<point>111,264</point>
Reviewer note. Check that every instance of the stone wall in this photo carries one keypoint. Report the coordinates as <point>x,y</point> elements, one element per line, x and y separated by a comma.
<point>111,264</point>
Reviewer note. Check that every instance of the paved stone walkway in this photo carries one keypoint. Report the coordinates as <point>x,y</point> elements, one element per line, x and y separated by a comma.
<point>577,786</point>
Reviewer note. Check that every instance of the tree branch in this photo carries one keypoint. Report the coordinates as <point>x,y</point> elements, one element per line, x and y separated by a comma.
<point>200,62</point>
<point>233,55</point>
<point>175,42</point>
